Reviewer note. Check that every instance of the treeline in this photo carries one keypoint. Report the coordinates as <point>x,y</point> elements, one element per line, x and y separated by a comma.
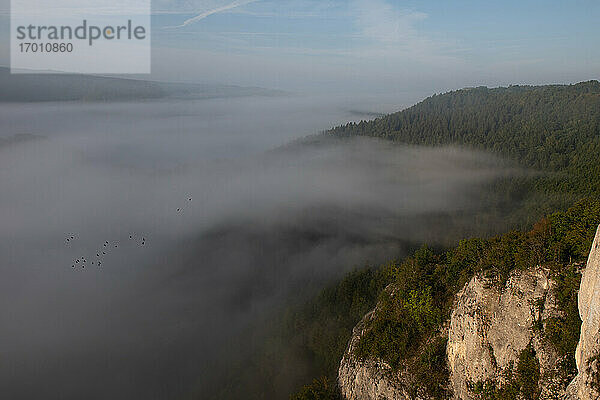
<point>548,128</point>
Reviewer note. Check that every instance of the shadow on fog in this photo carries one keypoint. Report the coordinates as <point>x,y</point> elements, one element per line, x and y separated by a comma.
<point>231,232</point>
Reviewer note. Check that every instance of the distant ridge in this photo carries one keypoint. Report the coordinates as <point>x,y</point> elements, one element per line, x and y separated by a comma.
<point>19,138</point>
<point>74,87</point>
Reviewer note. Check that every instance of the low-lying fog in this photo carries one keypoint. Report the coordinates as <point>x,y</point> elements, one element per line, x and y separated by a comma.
<point>210,227</point>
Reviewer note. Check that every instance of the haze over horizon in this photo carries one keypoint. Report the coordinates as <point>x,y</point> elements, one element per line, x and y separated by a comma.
<point>407,48</point>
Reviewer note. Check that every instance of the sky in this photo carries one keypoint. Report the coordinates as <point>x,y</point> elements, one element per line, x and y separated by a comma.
<point>376,46</point>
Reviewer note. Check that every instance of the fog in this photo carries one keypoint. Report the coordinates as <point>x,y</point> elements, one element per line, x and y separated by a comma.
<point>212,221</point>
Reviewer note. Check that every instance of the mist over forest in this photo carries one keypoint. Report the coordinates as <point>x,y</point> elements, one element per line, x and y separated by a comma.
<point>285,199</point>
<point>213,223</point>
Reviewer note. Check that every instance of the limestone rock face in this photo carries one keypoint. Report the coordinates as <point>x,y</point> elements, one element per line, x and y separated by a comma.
<point>367,380</point>
<point>491,326</point>
<point>488,329</point>
<point>374,379</point>
<point>587,356</point>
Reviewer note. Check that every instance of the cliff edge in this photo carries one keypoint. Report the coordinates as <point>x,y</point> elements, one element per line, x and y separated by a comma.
<point>497,336</point>
<point>498,343</point>
<point>586,386</point>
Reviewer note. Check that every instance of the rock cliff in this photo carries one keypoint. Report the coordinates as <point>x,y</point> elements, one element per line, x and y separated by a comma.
<point>495,332</point>
<point>490,328</point>
<point>367,379</point>
<point>586,385</point>
<point>375,379</point>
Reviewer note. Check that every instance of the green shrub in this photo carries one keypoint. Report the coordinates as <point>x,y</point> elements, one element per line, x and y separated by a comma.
<point>319,389</point>
<point>528,374</point>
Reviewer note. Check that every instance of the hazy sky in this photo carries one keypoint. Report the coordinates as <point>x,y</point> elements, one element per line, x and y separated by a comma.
<point>373,45</point>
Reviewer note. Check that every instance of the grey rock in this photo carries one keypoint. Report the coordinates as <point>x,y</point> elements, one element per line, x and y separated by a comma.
<point>491,326</point>
<point>587,355</point>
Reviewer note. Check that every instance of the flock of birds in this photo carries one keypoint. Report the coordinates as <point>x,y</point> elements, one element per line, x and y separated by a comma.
<point>104,250</point>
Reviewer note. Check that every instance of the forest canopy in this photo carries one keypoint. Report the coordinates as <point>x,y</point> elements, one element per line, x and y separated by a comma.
<point>547,128</point>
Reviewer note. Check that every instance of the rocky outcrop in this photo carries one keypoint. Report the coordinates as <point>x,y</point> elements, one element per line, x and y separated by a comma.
<point>374,379</point>
<point>370,379</point>
<point>587,383</point>
<point>491,326</point>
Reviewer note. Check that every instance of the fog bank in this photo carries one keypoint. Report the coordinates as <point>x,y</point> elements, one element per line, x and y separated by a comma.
<point>210,225</point>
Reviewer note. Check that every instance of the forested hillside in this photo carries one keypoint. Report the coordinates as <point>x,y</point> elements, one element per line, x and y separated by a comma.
<point>553,133</point>
<point>550,128</point>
